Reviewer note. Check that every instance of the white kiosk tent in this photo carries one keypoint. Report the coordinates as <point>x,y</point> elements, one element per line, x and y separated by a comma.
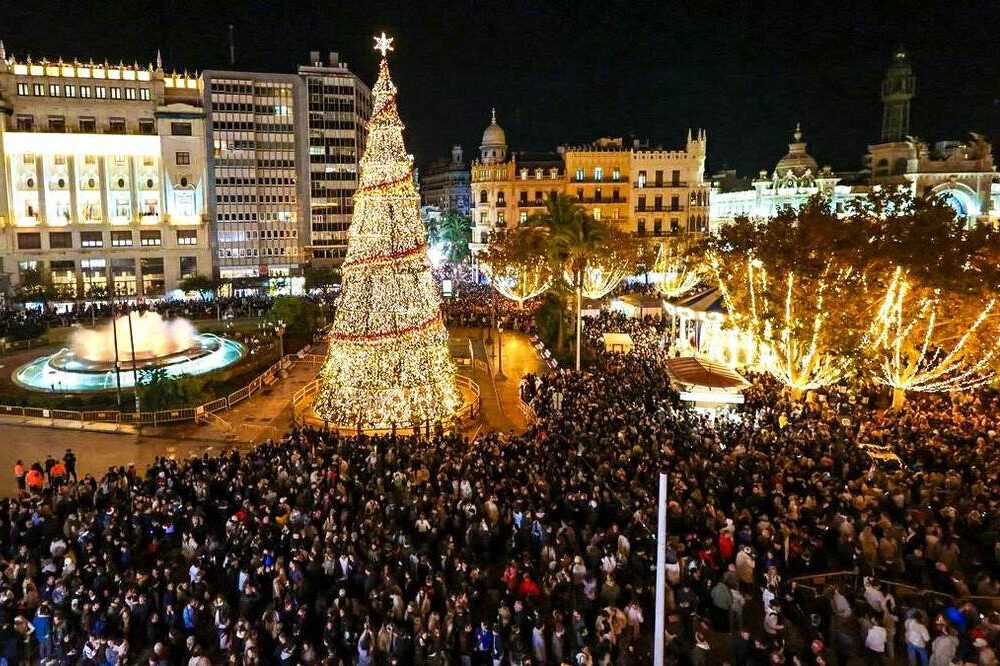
<point>697,324</point>
<point>617,342</point>
<point>706,383</point>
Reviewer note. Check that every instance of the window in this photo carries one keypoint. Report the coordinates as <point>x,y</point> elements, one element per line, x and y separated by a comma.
<point>150,238</point>
<point>483,197</point>
<point>60,240</point>
<point>597,213</point>
<point>88,125</point>
<point>144,94</point>
<point>658,177</point>
<point>116,125</point>
<point>675,203</point>
<point>523,217</point>
<point>524,197</point>
<point>29,241</point>
<point>23,89</point>
<point>121,239</point>
<point>598,173</point>
<point>616,174</point>
<point>189,266</point>
<point>641,228</point>
<point>54,89</point>
<point>25,123</point>
<point>57,123</point>
<point>641,182</point>
<point>598,195</point>
<point>85,92</point>
<point>579,193</point>
<point>657,227</point>
<point>130,93</point>
<point>180,129</point>
<point>147,126</point>
<point>182,158</point>
<point>641,203</point>
<point>675,177</point>
<point>187,236</point>
<point>102,92</point>
<point>39,89</point>
<point>658,202</point>
<point>116,93</point>
<point>91,239</point>
<point>70,90</point>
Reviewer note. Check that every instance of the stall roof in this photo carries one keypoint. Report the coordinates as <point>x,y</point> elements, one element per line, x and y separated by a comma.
<point>644,301</point>
<point>708,375</point>
<point>701,299</point>
<point>615,340</point>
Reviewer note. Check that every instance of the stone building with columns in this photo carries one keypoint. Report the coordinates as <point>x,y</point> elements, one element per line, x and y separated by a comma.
<point>103,177</point>
<point>641,190</point>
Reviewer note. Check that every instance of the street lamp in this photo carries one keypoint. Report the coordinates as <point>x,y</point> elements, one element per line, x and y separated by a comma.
<point>280,330</point>
<point>500,376</point>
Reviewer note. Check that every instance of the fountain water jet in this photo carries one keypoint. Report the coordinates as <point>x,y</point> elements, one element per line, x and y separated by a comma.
<point>89,363</point>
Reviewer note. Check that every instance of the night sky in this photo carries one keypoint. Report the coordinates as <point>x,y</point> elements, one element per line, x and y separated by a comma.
<point>570,72</point>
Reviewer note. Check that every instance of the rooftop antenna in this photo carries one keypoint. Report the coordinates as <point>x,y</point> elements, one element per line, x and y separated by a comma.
<point>232,47</point>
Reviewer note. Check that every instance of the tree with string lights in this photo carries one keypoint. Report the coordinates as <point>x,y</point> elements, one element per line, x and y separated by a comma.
<point>516,266</point>
<point>388,362</point>
<point>924,340</point>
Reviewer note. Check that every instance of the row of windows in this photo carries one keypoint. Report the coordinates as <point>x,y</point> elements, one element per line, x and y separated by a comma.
<point>254,181</point>
<point>250,126</point>
<point>250,252</point>
<point>63,240</point>
<point>251,198</point>
<point>237,162</point>
<point>64,269</point>
<point>86,125</point>
<point>257,234</point>
<point>675,179</point>
<point>84,92</point>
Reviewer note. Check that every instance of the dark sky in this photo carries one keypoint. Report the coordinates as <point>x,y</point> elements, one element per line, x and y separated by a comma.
<point>567,72</point>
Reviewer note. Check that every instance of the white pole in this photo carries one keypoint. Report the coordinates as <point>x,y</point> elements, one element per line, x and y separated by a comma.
<point>579,321</point>
<point>661,572</point>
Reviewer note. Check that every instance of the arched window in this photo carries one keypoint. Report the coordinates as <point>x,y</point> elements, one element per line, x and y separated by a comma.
<point>483,197</point>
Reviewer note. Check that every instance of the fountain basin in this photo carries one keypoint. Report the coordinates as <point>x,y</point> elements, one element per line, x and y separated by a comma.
<point>66,372</point>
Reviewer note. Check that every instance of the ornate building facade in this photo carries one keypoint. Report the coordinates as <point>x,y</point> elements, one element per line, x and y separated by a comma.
<point>103,179</point>
<point>636,189</point>
<point>445,184</point>
<point>962,173</point>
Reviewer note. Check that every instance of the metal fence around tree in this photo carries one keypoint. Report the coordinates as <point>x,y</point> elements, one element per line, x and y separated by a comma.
<point>262,381</point>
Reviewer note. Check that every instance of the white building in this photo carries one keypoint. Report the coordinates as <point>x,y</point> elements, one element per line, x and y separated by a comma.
<point>103,177</point>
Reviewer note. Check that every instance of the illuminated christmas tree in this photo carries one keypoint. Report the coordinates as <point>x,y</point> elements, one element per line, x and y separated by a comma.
<point>388,361</point>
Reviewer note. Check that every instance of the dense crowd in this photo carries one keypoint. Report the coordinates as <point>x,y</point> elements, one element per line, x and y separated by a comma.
<point>532,548</point>
<point>479,305</point>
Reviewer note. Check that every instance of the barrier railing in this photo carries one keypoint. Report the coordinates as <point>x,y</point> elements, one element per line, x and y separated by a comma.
<point>814,584</point>
<point>302,398</point>
<point>527,410</point>
<point>83,417</point>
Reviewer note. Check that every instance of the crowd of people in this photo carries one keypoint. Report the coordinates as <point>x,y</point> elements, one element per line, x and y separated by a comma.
<point>480,306</point>
<point>535,547</point>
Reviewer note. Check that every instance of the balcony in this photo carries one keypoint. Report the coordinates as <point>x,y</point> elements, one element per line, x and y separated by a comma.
<point>537,203</point>
<point>651,185</point>
<point>639,208</point>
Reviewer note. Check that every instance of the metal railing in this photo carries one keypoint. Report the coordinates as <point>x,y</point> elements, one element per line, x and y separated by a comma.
<point>814,584</point>
<point>115,417</point>
<point>303,398</point>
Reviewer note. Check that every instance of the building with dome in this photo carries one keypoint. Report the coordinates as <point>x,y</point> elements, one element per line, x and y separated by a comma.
<point>961,173</point>
<point>650,192</point>
<point>795,179</point>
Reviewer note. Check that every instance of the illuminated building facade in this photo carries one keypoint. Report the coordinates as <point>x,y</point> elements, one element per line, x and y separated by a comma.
<point>636,189</point>
<point>445,184</point>
<point>339,106</point>
<point>961,173</point>
<point>258,180</point>
<point>103,177</point>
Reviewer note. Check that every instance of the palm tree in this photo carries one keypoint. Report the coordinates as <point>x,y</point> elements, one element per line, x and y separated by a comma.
<point>455,231</point>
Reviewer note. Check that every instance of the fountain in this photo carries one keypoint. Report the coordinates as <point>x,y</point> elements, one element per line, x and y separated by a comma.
<point>145,341</point>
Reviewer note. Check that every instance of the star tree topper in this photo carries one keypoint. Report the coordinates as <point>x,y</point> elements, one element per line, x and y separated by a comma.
<point>383,44</point>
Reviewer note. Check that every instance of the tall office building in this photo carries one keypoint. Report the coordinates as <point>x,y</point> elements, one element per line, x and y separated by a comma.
<point>257,178</point>
<point>339,106</point>
<point>103,178</point>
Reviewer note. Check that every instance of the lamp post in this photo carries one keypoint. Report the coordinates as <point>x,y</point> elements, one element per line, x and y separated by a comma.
<point>280,330</point>
<point>135,369</point>
<point>500,376</point>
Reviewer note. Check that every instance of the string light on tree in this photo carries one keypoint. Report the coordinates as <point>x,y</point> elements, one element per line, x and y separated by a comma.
<point>674,275</point>
<point>388,362</point>
<point>910,344</point>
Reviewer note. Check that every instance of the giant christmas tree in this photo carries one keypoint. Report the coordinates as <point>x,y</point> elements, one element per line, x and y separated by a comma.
<point>388,361</point>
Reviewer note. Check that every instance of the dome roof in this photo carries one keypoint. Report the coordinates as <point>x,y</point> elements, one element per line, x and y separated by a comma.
<point>494,134</point>
<point>798,161</point>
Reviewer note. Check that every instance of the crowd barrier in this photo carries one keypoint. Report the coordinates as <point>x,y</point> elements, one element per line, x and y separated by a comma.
<point>84,417</point>
<point>303,398</point>
<point>814,584</point>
